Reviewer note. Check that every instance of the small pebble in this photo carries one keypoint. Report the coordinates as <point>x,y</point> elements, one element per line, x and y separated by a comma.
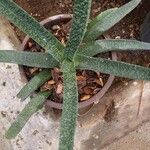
<point>56,27</point>
<point>51,82</point>
<point>4,83</point>
<point>85,97</point>
<point>117,37</point>
<point>3,113</point>
<point>59,89</point>
<point>35,132</point>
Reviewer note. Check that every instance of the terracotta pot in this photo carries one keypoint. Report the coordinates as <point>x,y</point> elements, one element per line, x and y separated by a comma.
<point>48,23</point>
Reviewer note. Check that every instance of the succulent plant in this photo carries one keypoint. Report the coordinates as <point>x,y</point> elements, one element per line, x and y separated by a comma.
<point>77,54</point>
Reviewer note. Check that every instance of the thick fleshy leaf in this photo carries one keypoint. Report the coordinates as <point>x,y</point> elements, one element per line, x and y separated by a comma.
<point>70,101</point>
<point>41,60</point>
<point>114,67</point>
<point>110,20</point>
<point>98,19</point>
<point>80,21</point>
<point>99,46</point>
<point>31,27</point>
<point>34,84</point>
<point>33,106</point>
<point>145,29</point>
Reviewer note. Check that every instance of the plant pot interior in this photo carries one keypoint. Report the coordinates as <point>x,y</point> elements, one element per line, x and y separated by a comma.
<point>89,83</point>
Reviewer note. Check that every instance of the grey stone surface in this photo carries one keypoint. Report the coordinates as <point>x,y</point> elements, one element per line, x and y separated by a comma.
<point>40,132</point>
<point>136,140</point>
<point>124,118</point>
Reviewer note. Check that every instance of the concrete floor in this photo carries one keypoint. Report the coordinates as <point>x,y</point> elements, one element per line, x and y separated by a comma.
<point>137,140</point>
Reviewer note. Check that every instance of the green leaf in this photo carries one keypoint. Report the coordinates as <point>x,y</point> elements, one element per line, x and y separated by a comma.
<point>70,101</point>
<point>41,60</point>
<point>114,67</point>
<point>34,84</point>
<point>109,20</point>
<point>99,46</point>
<point>33,106</point>
<point>99,18</point>
<point>80,21</point>
<point>31,27</point>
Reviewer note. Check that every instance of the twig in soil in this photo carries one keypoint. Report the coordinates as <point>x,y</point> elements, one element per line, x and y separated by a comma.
<point>86,111</point>
<point>140,97</point>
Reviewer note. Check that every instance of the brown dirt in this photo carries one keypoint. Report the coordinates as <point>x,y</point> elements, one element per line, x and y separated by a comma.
<point>127,28</point>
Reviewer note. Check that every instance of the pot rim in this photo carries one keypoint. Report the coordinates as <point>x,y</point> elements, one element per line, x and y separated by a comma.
<point>54,20</point>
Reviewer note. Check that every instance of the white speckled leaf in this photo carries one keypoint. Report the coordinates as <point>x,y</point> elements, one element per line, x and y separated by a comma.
<point>98,19</point>
<point>40,60</point>
<point>99,46</point>
<point>31,27</point>
<point>34,84</point>
<point>33,106</point>
<point>80,21</point>
<point>70,95</point>
<point>70,101</point>
<point>116,68</point>
<point>109,21</point>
